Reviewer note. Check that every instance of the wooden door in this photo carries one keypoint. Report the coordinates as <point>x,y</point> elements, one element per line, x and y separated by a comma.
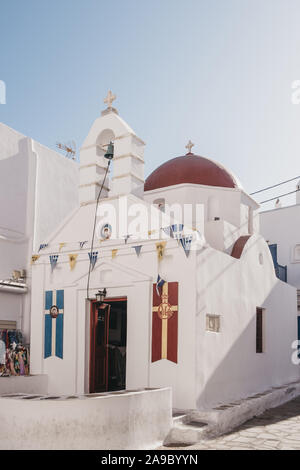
<point>99,347</point>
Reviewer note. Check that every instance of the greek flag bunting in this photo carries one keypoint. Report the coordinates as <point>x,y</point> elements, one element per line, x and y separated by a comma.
<point>54,326</point>
<point>42,246</point>
<point>186,243</point>
<point>159,283</point>
<point>168,231</point>
<point>177,230</point>
<point>138,249</point>
<point>53,260</point>
<point>93,258</point>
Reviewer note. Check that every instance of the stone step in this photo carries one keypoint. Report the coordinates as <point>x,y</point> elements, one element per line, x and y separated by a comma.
<point>186,433</point>
<point>180,418</point>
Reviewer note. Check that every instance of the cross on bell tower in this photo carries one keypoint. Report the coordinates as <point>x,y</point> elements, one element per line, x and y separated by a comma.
<point>109,101</point>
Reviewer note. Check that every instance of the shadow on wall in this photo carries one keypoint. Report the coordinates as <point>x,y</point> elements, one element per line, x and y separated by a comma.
<point>228,367</point>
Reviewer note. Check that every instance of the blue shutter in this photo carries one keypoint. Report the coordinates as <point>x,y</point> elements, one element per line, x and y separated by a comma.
<point>48,299</point>
<point>48,324</point>
<point>48,335</point>
<point>60,299</point>
<point>273,250</point>
<point>59,340</point>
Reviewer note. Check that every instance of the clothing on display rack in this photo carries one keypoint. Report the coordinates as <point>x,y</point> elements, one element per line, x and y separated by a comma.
<point>14,356</point>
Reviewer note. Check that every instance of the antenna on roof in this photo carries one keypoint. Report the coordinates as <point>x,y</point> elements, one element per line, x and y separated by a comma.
<point>69,148</point>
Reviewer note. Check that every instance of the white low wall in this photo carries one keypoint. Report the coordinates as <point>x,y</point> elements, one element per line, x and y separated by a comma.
<point>37,384</point>
<point>128,420</point>
<point>227,417</point>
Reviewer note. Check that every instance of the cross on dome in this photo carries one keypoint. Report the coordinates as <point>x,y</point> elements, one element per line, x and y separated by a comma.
<point>189,146</point>
<point>109,99</point>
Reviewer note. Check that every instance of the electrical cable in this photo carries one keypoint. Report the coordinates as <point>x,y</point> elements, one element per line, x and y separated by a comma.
<point>278,197</point>
<point>95,218</point>
<point>274,185</point>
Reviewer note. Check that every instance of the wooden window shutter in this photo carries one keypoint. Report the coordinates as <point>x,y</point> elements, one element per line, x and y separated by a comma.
<point>259,330</point>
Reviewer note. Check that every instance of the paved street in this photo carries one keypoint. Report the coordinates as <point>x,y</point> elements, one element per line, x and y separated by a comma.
<point>276,429</point>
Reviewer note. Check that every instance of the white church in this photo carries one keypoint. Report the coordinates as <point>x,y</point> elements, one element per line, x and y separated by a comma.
<point>153,298</point>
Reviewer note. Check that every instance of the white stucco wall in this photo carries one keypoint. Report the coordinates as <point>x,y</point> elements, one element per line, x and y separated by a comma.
<point>282,226</point>
<point>38,189</point>
<point>228,367</point>
<point>135,420</point>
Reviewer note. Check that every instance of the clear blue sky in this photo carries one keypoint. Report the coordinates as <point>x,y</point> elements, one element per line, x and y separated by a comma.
<point>218,72</point>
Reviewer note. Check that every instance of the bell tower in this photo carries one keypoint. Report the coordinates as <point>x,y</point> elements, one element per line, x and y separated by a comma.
<point>128,162</point>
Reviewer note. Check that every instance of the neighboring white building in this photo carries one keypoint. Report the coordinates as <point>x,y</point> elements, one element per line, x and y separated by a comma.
<point>221,326</point>
<point>38,189</point>
<point>281,228</point>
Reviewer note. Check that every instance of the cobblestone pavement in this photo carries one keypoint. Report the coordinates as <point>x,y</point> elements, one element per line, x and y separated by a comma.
<point>276,429</point>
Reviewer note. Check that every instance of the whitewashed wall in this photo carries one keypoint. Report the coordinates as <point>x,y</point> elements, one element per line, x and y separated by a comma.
<point>38,189</point>
<point>135,420</point>
<point>228,367</point>
<point>282,226</point>
<point>211,367</point>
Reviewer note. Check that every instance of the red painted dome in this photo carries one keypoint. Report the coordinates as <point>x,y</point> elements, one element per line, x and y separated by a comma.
<point>190,168</point>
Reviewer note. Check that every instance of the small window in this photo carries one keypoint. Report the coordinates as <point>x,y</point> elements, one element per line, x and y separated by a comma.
<point>296,257</point>
<point>298,300</point>
<point>259,330</point>
<point>160,204</point>
<point>213,323</point>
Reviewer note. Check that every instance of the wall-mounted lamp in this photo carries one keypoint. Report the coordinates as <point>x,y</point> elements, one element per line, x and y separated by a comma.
<point>100,296</point>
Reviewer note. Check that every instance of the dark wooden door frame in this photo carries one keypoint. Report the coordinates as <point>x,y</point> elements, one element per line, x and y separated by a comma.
<point>93,322</point>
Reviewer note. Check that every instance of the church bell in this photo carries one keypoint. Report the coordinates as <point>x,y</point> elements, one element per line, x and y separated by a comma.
<point>110,151</point>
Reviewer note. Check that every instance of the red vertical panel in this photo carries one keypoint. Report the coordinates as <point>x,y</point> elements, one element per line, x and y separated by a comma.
<point>172,338</point>
<point>156,328</point>
<point>173,323</point>
<point>172,345</point>
<point>173,293</point>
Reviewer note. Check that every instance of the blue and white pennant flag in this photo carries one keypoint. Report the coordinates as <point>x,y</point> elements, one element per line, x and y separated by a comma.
<point>186,243</point>
<point>168,231</point>
<point>138,249</point>
<point>42,246</point>
<point>126,238</point>
<point>93,258</point>
<point>177,231</point>
<point>54,327</point>
<point>159,283</point>
<point>53,260</point>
